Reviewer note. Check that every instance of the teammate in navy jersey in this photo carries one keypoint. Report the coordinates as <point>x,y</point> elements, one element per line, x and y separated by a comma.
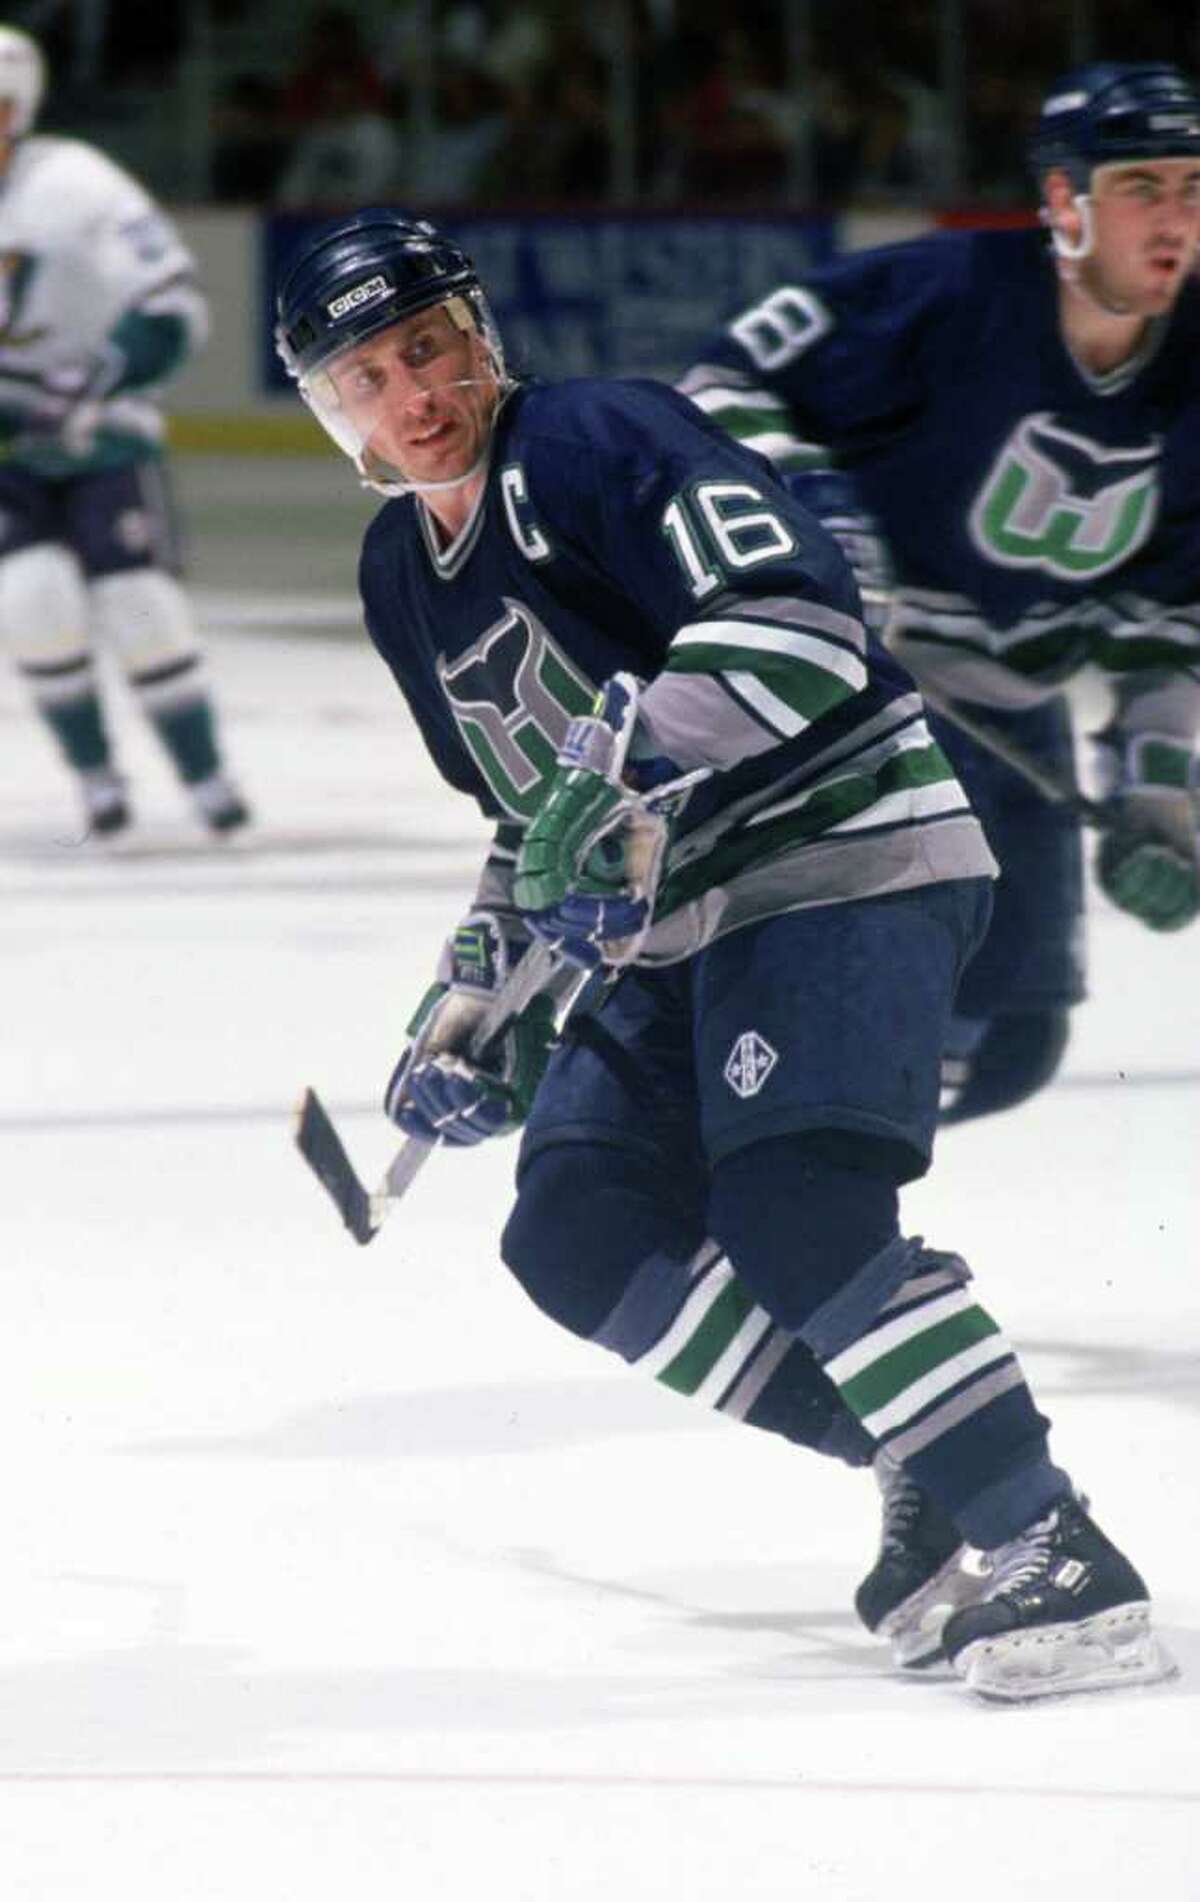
<point>647,664</point>
<point>1015,427</point>
<point>1015,424</point>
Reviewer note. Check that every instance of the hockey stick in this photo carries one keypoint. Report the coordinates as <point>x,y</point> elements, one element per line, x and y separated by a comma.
<point>1054,789</point>
<point>541,969</point>
<point>362,1210</point>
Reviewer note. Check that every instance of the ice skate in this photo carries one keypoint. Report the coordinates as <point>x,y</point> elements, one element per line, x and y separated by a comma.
<point>219,803</point>
<point>918,1578</point>
<point>105,804</point>
<point>1063,1612</point>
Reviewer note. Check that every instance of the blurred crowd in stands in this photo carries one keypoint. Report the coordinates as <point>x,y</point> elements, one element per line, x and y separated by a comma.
<point>657,102</point>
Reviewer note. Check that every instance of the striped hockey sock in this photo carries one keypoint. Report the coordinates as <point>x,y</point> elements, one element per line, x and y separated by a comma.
<point>931,1358</point>
<point>701,1333</point>
<point>65,695</point>
<point>716,1347</point>
<point>934,1380</point>
<point>179,707</point>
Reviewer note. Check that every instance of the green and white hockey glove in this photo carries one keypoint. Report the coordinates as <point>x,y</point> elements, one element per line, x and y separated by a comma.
<point>1149,860</point>
<point>437,1092</point>
<point>593,855</point>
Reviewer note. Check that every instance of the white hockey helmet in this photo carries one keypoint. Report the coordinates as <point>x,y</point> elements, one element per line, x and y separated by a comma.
<point>22,78</point>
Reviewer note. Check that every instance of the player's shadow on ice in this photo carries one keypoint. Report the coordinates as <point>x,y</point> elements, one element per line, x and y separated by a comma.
<point>1078,1367</point>
<point>453,1422</point>
<point>530,1417</point>
<point>833,1643</point>
<point>833,1647</point>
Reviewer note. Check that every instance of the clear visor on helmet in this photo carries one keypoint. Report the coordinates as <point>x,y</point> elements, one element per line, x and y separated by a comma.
<point>412,404</point>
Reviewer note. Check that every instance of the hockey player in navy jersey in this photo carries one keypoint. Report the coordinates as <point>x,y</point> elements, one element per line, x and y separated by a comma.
<point>647,664</point>
<point>98,306</point>
<point>1015,422</point>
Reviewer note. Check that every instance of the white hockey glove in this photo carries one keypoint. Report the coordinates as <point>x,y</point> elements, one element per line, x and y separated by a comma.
<point>436,1091</point>
<point>1149,860</point>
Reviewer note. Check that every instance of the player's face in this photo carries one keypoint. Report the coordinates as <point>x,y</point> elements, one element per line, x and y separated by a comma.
<point>1147,227</point>
<point>421,396</point>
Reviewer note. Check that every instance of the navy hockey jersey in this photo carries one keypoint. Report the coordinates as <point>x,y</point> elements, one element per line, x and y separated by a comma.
<point>1039,517</point>
<point>619,529</point>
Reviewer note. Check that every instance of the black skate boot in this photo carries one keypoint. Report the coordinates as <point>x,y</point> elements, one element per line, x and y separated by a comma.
<point>918,1578</point>
<point>106,807</point>
<point>219,803</point>
<point>1063,1611</point>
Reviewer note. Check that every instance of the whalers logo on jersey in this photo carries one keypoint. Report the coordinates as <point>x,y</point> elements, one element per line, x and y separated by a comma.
<point>1057,501</point>
<point>514,693</point>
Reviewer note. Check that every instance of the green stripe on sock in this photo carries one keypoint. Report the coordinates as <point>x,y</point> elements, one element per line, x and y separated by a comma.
<point>701,1352</point>
<point>879,1383</point>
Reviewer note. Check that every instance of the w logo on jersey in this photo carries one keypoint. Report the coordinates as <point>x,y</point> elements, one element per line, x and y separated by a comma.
<point>1057,501</point>
<point>513,694</point>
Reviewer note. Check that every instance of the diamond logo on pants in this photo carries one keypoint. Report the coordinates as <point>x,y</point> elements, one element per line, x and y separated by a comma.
<point>751,1062</point>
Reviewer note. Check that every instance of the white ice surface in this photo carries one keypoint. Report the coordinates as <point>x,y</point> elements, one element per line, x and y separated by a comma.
<point>343,1573</point>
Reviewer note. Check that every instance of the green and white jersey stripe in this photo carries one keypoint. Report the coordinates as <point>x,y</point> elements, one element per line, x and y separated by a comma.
<point>788,676</point>
<point>886,813</point>
<point>753,415</point>
<point>942,639</point>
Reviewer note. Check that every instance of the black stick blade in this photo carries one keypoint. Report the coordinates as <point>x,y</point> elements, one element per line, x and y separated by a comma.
<point>323,1151</point>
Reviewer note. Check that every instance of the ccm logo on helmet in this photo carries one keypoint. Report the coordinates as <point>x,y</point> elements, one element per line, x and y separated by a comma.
<point>358,294</point>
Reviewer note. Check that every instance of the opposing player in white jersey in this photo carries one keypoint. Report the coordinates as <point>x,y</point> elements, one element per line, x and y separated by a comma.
<point>98,306</point>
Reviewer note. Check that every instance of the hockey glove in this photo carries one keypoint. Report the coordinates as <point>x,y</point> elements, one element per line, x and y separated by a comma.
<point>62,411</point>
<point>436,1091</point>
<point>593,854</point>
<point>1149,861</point>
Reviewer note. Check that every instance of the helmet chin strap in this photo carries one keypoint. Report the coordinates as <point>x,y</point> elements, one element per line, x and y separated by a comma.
<point>1070,253</point>
<point>388,481</point>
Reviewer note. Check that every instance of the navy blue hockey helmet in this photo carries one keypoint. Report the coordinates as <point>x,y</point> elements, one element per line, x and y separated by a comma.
<point>1109,113</point>
<point>360,275</point>
<point>355,279</point>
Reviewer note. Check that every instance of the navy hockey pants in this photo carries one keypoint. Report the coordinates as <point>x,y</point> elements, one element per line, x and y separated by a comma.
<point>753,1108</point>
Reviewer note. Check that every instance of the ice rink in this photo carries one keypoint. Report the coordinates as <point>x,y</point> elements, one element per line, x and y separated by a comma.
<point>342,1574</point>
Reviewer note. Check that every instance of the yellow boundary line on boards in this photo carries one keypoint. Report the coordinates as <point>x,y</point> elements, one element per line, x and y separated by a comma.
<point>247,433</point>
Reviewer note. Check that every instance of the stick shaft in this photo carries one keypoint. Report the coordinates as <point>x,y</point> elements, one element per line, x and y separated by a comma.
<point>1056,791</point>
<point>325,1153</point>
<point>529,977</point>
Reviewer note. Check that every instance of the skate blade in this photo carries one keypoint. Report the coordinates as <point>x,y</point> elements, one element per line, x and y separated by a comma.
<point>914,1628</point>
<point>1115,1650</point>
